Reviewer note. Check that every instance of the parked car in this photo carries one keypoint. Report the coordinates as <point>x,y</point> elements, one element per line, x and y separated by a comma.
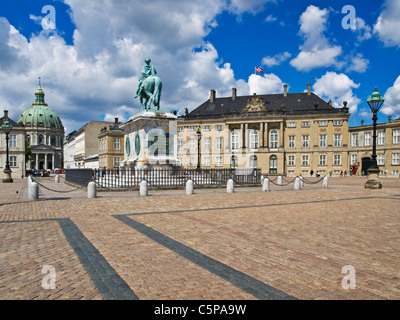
<point>59,170</point>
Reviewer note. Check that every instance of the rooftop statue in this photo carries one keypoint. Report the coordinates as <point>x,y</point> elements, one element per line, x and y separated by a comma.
<point>149,87</point>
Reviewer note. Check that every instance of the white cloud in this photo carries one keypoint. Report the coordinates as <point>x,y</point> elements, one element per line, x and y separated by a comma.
<point>391,105</point>
<point>338,88</point>
<point>252,6</point>
<point>266,84</point>
<point>316,51</point>
<point>388,25</point>
<point>96,77</point>
<point>276,60</point>
<point>363,31</point>
<point>358,64</point>
<point>271,18</point>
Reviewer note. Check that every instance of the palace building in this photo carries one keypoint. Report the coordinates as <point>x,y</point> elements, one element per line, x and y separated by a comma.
<point>286,134</point>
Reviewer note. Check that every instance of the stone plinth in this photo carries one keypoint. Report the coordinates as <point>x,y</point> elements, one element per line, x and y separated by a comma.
<point>150,140</point>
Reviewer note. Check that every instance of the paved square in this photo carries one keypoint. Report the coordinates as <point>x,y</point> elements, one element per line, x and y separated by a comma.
<point>282,244</point>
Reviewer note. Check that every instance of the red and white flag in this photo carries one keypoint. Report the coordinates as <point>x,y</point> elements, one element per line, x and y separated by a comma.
<point>259,70</point>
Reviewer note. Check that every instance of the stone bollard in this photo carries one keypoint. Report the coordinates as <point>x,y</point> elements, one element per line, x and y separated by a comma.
<point>144,188</point>
<point>92,190</point>
<point>265,185</point>
<point>230,188</point>
<point>33,191</point>
<point>262,179</point>
<point>189,187</point>
<point>325,183</point>
<point>301,182</point>
<point>57,178</point>
<point>279,181</point>
<point>297,184</point>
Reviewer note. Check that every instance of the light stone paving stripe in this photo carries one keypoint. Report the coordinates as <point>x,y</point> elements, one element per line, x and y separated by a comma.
<point>105,278</point>
<point>239,279</point>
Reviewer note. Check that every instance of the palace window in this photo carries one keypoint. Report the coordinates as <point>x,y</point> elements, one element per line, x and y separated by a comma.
<point>218,161</point>
<point>395,159</point>
<point>117,143</point>
<point>337,139</point>
<point>192,144</point>
<point>13,161</point>
<point>206,144</point>
<point>381,138</point>
<point>396,136</point>
<point>117,161</point>
<point>253,161</point>
<point>337,122</point>
<point>337,160</point>
<point>305,160</point>
<point>367,139</point>
<point>291,124</point>
<point>305,124</point>
<point>235,140</point>
<point>274,139</point>
<point>354,140</point>
<point>219,143</point>
<point>12,141</point>
<point>322,140</point>
<point>380,159</point>
<point>291,161</point>
<point>254,140</point>
<point>180,144</point>
<point>323,123</point>
<point>206,161</point>
<point>234,162</point>
<point>292,142</point>
<point>322,159</point>
<point>273,164</point>
<point>305,141</point>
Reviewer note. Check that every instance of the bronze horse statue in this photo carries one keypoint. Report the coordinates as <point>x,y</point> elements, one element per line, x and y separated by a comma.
<point>150,92</point>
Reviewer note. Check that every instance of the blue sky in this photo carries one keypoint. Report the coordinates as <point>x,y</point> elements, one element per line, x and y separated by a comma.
<point>91,61</point>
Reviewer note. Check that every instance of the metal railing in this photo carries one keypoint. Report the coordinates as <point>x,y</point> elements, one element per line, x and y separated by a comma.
<point>161,178</point>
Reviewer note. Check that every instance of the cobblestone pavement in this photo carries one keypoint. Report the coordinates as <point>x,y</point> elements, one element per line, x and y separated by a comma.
<point>283,244</point>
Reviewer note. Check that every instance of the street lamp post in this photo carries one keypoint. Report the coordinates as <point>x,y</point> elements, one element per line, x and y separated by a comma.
<point>7,127</point>
<point>375,102</point>
<point>198,136</point>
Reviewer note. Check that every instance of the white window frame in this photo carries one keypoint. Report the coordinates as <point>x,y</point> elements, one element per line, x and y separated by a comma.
<point>305,160</point>
<point>337,140</point>
<point>235,141</point>
<point>274,139</point>
<point>395,159</point>
<point>219,143</point>
<point>396,136</point>
<point>117,143</point>
<point>291,161</point>
<point>354,140</point>
<point>12,141</point>
<point>322,160</point>
<point>380,159</point>
<point>322,141</point>
<point>13,161</point>
<point>180,144</point>
<point>292,141</point>
<point>305,141</point>
<point>337,159</point>
<point>192,144</point>
<point>381,138</point>
<point>207,144</point>
<point>254,140</point>
<point>367,139</point>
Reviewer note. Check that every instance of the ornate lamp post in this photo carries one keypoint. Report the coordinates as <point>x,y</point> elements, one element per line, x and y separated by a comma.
<point>375,102</point>
<point>198,136</point>
<point>7,127</point>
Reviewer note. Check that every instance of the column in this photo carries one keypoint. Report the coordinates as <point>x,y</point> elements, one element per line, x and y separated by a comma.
<point>227,141</point>
<point>37,162</point>
<point>241,136</point>
<point>266,141</point>
<point>261,135</point>
<point>52,162</point>
<point>281,134</point>
<point>45,161</point>
<point>246,136</point>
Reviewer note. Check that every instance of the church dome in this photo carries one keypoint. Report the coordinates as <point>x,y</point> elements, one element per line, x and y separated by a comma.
<point>39,114</point>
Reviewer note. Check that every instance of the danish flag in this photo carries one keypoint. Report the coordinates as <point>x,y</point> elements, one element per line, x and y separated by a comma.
<point>259,70</point>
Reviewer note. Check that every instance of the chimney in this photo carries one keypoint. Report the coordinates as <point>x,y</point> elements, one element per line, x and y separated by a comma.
<point>6,114</point>
<point>234,93</point>
<point>390,118</point>
<point>212,96</point>
<point>362,122</point>
<point>285,90</point>
<point>309,89</point>
<point>116,120</point>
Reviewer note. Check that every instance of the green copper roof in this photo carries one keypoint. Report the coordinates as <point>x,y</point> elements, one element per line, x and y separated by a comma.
<point>40,114</point>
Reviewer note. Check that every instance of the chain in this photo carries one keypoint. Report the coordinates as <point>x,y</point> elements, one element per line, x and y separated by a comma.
<point>50,189</point>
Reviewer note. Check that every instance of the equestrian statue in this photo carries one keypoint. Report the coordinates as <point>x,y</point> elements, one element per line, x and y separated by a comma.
<point>149,87</point>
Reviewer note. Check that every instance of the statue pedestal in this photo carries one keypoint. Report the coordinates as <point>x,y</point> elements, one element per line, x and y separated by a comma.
<point>150,140</point>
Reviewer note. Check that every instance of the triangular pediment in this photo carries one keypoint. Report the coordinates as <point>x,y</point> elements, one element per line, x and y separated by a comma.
<point>42,147</point>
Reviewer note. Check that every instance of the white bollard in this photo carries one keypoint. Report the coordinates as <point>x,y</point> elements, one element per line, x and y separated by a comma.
<point>279,181</point>
<point>189,187</point>
<point>261,179</point>
<point>33,191</point>
<point>57,178</point>
<point>230,188</point>
<point>92,190</point>
<point>265,185</point>
<point>297,184</point>
<point>301,182</point>
<point>144,188</point>
<point>325,183</point>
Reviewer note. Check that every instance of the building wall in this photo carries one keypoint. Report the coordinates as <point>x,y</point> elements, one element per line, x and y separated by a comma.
<point>110,151</point>
<point>272,142</point>
<point>16,153</point>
